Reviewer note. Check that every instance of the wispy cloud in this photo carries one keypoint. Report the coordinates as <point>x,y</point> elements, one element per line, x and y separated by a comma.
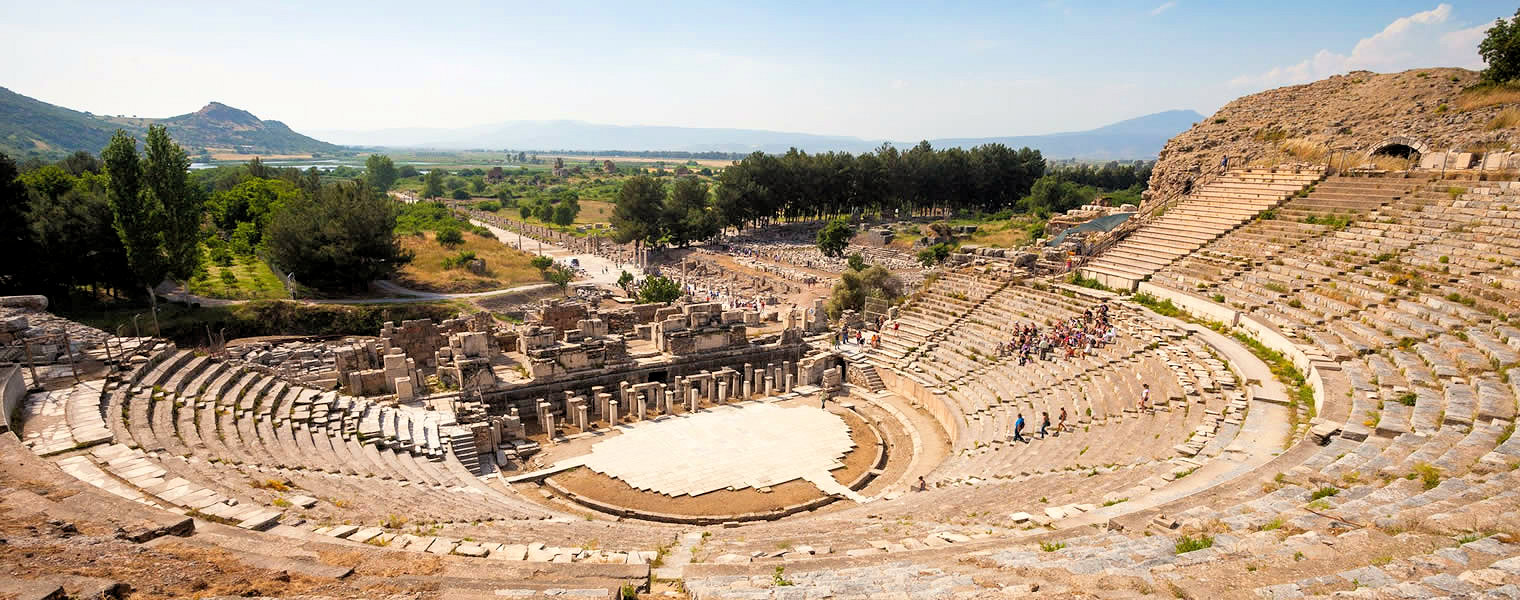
<point>1423,39</point>
<point>1165,6</point>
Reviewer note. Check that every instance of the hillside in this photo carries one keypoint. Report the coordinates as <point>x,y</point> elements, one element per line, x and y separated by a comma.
<point>1138,138</point>
<point>32,127</point>
<point>1347,115</point>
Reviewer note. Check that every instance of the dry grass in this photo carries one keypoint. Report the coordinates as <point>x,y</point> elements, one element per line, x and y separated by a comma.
<point>1390,163</point>
<point>382,564</point>
<point>505,266</point>
<point>1489,95</point>
<point>594,211</point>
<point>1506,118</point>
<point>1304,150</point>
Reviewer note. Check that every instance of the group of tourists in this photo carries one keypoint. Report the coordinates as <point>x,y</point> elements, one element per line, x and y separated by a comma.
<point>1077,336</point>
<point>1060,426</point>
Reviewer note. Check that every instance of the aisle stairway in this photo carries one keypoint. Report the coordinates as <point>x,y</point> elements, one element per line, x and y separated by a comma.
<point>1202,216</point>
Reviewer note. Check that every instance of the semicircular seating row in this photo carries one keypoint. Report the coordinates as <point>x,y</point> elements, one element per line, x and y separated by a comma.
<point>1401,294</point>
<point>220,440</point>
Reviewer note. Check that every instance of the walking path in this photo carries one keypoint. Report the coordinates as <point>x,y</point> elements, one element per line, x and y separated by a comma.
<point>595,270</point>
<point>598,270</point>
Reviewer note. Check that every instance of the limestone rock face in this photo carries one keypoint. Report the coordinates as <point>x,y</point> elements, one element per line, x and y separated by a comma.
<point>1348,115</point>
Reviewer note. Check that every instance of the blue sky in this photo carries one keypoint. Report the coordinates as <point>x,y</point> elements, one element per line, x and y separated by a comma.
<point>877,70</point>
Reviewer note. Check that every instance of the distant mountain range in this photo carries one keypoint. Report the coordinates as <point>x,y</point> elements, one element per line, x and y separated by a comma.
<point>1137,138</point>
<point>31,127</point>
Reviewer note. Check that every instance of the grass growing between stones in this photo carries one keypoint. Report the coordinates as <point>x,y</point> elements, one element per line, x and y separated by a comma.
<point>1300,393</point>
<point>1188,543</point>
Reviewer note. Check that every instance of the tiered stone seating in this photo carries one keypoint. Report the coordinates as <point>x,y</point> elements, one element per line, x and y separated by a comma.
<point>1206,213</point>
<point>1323,210</point>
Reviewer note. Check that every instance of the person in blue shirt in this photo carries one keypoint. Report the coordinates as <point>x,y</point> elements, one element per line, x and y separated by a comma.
<point>1018,429</point>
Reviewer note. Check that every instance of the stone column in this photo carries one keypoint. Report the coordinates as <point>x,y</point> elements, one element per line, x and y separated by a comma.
<point>786,373</point>
<point>769,381</point>
<point>787,388</point>
<point>596,396</point>
<point>691,401</point>
<point>640,405</point>
<point>549,428</point>
<point>749,390</point>
<point>612,412</point>
<point>582,416</point>
<point>722,391</point>
<point>602,399</point>
<point>623,387</point>
<point>670,403</point>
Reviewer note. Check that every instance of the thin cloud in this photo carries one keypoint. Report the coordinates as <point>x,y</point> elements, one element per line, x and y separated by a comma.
<point>1423,39</point>
<point>1165,6</point>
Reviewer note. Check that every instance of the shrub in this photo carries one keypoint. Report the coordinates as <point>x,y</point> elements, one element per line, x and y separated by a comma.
<point>1051,546</point>
<point>449,237</point>
<point>459,260</point>
<point>1187,544</point>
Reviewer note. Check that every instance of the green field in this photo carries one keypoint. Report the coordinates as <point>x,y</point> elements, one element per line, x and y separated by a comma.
<point>249,279</point>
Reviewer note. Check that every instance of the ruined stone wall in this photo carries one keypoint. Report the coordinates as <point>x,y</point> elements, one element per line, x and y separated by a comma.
<point>523,397</point>
<point>563,315</point>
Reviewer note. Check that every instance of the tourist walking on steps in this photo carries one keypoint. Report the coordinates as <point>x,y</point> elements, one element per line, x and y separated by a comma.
<point>1224,164</point>
<point>1145,396</point>
<point>1044,423</point>
<point>1018,429</point>
<point>923,486</point>
<point>1061,421</point>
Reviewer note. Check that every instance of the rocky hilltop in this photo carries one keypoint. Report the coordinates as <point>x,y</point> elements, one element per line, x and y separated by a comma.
<point>1342,118</point>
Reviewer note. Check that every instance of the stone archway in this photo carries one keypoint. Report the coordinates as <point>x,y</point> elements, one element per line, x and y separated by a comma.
<point>1399,147</point>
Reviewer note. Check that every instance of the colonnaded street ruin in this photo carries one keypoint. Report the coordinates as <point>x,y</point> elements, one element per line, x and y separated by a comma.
<point>1282,361</point>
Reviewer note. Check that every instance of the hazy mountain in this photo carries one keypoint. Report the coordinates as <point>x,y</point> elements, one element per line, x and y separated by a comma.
<point>32,127</point>
<point>1137,138</point>
<point>1140,137</point>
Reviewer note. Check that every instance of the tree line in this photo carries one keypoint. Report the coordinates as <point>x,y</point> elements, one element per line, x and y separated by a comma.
<point>118,225</point>
<point>987,179</point>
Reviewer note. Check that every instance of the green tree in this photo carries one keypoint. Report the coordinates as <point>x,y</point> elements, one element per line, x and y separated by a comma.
<point>656,288</point>
<point>166,176</point>
<point>855,262</point>
<point>564,214</point>
<point>432,185</point>
<point>686,215</point>
<point>136,214</point>
<point>542,263</point>
<point>449,237</point>
<point>933,255</point>
<point>835,237</point>
<point>342,238</point>
<point>1500,48</point>
<point>16,243</point>
<point>559,276</point>
<point>477,184</point>
<point>461,195</point>
<point>636,216</point>
<point>625,281</point>
<point>380,172</point>
<point>854,287</point>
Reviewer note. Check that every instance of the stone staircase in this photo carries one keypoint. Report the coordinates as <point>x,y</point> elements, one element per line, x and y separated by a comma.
<point>462,443</point>
<point>1206,214</point>
<point>873,379</point>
